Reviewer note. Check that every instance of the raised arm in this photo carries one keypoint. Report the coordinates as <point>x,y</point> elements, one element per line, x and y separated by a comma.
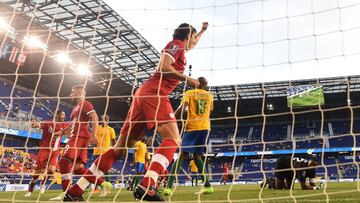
<point>199,34</point>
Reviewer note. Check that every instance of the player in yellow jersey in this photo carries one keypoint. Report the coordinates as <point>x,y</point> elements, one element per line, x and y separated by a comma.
<point>140,158</point>
<point>55,180</point>
<point>194,172</point>
<point>105,136</point>
<point>199,103</point>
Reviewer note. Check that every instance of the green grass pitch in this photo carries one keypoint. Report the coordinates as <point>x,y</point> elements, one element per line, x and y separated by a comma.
<point>311,98</point>
<point>333,192</point>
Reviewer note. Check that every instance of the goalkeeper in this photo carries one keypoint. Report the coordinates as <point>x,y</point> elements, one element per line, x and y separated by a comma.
<point>303,169</point>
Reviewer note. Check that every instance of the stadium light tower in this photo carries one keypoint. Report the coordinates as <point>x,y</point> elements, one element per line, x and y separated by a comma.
<point>7,28</point>
<point>84,70</point>
<point>63,58</point>
<point>35,42</point>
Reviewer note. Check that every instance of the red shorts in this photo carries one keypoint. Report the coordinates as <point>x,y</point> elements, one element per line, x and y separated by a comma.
<point>46,158</point>
<point>76,149</point>
<point>147,112</point>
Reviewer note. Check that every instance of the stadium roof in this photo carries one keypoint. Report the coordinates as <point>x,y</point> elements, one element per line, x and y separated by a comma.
<point>99,31</point>
<point>96,29</point>
<point>279,89</point>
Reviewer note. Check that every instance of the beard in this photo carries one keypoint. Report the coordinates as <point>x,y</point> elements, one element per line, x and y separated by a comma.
<point>75,99</point>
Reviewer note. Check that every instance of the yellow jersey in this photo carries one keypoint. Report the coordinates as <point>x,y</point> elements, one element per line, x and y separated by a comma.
<point>140,152</point>
<point>57,178</point>
<point>193,167</point>
<point>200,103</point>
<point>104,135</point>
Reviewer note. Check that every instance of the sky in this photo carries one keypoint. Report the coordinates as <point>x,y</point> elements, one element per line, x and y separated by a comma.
<point>252,41</point>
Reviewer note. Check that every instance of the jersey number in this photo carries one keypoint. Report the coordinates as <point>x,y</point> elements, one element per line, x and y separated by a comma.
<point>200,106</point>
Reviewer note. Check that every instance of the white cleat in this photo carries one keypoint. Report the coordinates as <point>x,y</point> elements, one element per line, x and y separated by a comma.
<point>28,194</point>
<point>57,198</point>
<point>103,193</point>
<point>42,189</point>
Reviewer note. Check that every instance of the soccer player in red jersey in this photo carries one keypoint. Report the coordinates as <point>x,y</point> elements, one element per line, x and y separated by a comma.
<point>49,148</point>
<point>150,108</point>
<point>75,152</point>
<point>225,173</point>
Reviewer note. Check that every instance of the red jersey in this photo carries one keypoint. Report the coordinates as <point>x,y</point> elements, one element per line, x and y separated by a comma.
<point>48,130</point>
<point>226,168</point>
<point>176,50</point>
<point>80,118</point>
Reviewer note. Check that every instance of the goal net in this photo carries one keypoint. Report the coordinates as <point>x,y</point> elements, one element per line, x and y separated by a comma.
<point>283,75</point>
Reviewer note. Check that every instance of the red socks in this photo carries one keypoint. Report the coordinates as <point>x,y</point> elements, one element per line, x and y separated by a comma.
<point>160,161</point>
<point>100,166</point>
<point>95,173</point>
<point>105,161</point>
<point>33,182</point>
<point>65,170</point>
<point>79,171</point>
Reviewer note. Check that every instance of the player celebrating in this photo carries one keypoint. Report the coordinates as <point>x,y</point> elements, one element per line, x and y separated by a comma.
<point>75,153</point>
<point>150,108</point>
<point>49,148</point>
<point>105,137</point>
<point>140,156</point>
<point>304,169</point>
<point>200,103</point>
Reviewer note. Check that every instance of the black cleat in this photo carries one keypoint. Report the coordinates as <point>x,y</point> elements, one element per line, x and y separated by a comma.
<point>151,195</point>
<point>70,198</point>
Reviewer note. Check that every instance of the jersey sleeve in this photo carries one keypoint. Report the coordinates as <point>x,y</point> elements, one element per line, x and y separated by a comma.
<point>44,125</point>
<point>211,103</point>
<point>112,134</point>
<point>58,127</point>
<point>87,108</point>
<point>174,49</point>
<point>186,97</point>
<point>136,146</point>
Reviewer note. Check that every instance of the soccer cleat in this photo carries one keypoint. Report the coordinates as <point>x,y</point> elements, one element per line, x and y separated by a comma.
<point>206,190</point>
<point>105,188</point>
<point>168,191</point>
<point>106,185</point>
<point>142,193</point>
<point>70,198</point>
<point>42,189</point>
<point>28,194</point>
<point>103,193</point>
<point>57,198</point>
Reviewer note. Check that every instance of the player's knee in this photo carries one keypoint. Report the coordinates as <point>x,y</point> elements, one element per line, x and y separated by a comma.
<point>78,166</point>
<point>178,141</point>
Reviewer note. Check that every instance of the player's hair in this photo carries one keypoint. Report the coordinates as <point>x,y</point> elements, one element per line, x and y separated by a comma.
<point>78,86</point>
<point>182,32</point>
<point>203,83</point>
<point>58,112</point>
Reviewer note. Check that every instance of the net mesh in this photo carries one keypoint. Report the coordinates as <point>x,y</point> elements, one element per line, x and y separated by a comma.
<point>247,42</point>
